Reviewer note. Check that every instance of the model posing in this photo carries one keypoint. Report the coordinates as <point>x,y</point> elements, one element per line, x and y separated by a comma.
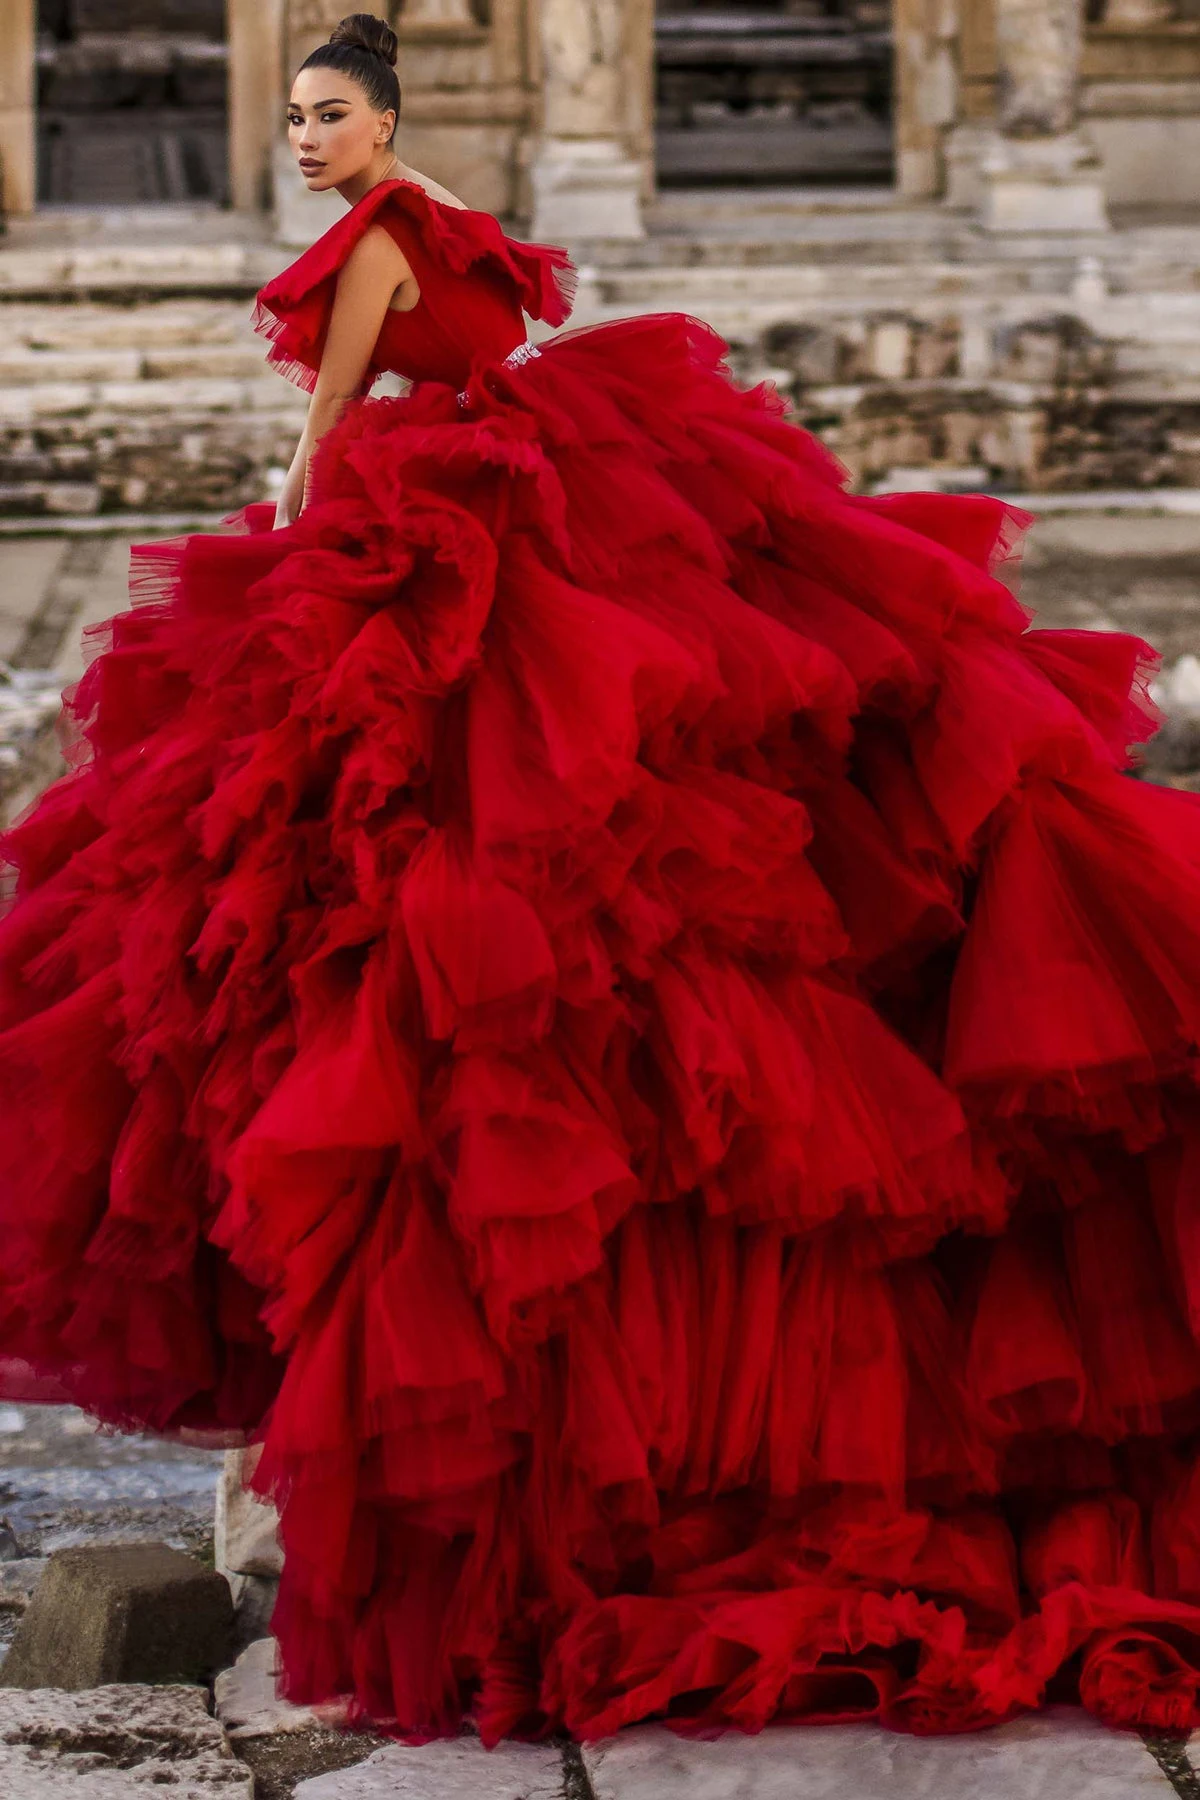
<point>613,1005</point>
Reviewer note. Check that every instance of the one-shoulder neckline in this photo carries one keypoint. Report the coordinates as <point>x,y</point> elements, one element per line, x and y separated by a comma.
<point>414,187</point>
<point>293,309</point>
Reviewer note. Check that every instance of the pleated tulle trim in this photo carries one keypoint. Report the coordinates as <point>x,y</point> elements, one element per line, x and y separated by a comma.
<point>292,312</point>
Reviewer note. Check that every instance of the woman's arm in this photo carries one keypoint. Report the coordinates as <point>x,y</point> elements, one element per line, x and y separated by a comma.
<point>374,270</point>
<point>291,494</point>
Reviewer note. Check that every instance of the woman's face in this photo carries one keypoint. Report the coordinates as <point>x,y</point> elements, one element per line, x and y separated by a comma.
<point>333,129</point>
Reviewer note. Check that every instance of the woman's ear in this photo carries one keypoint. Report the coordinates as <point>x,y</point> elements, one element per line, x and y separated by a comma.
<point>387,127</point>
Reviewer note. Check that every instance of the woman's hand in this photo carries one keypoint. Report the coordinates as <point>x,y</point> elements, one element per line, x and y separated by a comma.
<point>290,503</point>
<point>291,498</point>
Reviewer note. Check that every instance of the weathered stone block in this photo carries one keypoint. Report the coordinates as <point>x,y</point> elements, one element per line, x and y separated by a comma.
<point>891,349</point>
<point>26,367</point>
<point>121,1612</point>
<point>116,1743</point>
<point>1058,1753</point>
<point>446,1771</point>
<point>247,1528</point>
<point>143,398</point>
<point>191,362</point>
<point>810,352</point>
<point>248,1701</point>
<point>71,497</point>
<point>149,266</point>
<point>936,349</point>
<point>254,1598</point>
<point>23,405</point>
<point>587,189</point>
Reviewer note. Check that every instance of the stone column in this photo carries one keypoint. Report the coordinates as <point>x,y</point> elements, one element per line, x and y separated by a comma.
<point>585,181</point>
<point>1037,173</point>
<point>926,99</point>
<point>18,126</point>
<point>255,98</point>
<point>301,217</point>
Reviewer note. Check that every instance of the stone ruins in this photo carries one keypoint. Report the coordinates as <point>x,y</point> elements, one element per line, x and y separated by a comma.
<point>960,235</point>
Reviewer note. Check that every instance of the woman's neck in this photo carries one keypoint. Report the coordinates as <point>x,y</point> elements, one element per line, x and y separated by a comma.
<point>382,167</point>
<point>390,168</point>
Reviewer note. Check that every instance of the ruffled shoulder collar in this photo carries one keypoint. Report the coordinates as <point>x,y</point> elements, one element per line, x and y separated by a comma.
<point>293,309</point>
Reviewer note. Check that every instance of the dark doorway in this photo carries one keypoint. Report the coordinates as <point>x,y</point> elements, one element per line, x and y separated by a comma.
<point>131,102</point>
<point>797,91</point>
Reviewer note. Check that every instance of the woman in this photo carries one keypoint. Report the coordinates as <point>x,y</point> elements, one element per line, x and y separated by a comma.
<point>611,1005</point>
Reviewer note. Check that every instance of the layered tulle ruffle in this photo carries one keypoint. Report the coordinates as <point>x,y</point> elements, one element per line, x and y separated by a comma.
<point>612,1004</point>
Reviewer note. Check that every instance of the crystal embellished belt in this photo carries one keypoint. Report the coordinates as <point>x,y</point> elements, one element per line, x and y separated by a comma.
<point>522,354</point>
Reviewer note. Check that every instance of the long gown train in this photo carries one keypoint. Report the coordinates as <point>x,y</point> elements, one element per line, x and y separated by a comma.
<point>614,1006</point>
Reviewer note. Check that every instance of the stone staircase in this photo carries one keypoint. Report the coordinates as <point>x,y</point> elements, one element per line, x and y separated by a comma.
<point>161,405</point>
<point>130,380</point>
<point>918,348</point>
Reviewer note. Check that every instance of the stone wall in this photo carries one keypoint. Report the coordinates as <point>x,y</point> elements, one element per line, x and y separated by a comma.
<point>1140,103</point>
<point>18,158</point>
<point>163,405</point>
<point>1130,75</point>
<point>544,109</point>
<point>1034,406</point>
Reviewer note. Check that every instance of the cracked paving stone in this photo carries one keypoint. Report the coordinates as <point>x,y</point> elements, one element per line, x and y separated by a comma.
<point>116,1743</point>
<point>1057,1755</point>
<point>460,1769</point>
<point>248,1703</point>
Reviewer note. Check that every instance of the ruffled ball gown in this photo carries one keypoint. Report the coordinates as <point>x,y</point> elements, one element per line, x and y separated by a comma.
<point>613,1005</point>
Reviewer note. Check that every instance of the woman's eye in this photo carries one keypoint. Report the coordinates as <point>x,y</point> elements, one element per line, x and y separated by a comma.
<point>331,118</point>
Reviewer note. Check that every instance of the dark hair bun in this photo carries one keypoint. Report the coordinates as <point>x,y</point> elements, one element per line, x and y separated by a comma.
<point>363,31</point>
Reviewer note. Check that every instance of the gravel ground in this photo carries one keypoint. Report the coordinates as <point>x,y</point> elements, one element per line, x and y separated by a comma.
<point>66,1481</point>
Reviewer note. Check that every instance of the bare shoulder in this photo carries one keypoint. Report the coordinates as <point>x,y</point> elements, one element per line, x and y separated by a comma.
<point>377,255</point>
<point>376,248</point>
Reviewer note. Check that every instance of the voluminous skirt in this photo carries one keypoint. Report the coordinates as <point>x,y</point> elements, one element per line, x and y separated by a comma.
<point>612,1005</point>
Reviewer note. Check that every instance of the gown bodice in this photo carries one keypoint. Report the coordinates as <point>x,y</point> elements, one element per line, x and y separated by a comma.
<point>475,284</point>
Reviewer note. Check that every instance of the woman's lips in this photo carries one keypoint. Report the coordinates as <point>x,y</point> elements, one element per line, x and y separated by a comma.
<point>309,166</point>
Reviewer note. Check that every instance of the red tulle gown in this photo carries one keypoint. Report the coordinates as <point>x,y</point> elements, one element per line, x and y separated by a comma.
<point>613,1005</point>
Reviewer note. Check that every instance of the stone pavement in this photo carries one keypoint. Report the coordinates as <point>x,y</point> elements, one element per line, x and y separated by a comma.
<point>116,1743</point>
<point>123,1743</point>
<point>1116,571</point>
<point>62,1482</point>
<point>1057,1756</point>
